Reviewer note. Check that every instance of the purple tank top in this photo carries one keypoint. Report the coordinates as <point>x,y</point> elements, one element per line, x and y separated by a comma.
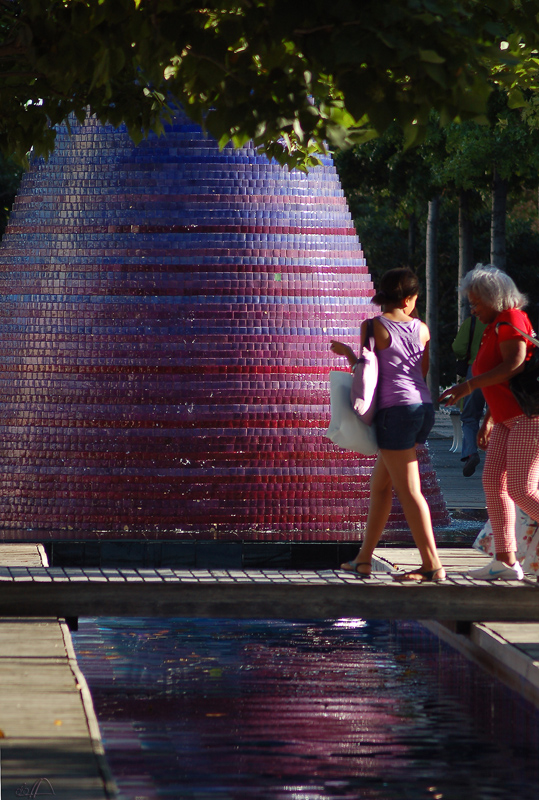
<point>400,381</point>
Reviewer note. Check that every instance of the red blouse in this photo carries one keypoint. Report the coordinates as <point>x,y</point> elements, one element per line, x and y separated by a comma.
<point>499,397</point>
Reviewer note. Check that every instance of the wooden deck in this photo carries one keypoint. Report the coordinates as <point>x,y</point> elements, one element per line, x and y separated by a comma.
<point>265,594</point>
<point>48,729</point>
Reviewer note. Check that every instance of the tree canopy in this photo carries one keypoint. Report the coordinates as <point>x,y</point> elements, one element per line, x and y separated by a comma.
<point>292,76</point>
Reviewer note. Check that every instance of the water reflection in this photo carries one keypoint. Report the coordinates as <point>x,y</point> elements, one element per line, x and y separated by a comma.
<point>194,709</point>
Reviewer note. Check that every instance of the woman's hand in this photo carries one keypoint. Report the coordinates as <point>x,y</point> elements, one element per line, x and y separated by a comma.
<point>483,435</point>
<point>455,393</point>
<point>341,349</point>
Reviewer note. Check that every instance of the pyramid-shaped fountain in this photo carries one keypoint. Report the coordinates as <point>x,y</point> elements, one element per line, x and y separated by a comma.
<point>164,331</point>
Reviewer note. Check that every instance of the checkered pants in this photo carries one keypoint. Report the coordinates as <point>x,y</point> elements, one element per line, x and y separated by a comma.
<point>511,476</point>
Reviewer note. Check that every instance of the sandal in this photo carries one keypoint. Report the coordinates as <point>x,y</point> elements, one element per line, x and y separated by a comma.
<point>421,576</point>
<point>352,566</point>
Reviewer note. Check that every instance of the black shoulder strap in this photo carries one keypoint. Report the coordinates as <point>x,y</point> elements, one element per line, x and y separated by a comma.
<point>470,337</point>
<point>370,335</point>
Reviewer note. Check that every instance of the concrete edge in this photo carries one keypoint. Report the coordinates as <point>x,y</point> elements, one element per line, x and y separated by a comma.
<point>495,655</point>
<point>111,789</point>
<point>109,784</point>
<point>43,555</point>
<point>511,659</point>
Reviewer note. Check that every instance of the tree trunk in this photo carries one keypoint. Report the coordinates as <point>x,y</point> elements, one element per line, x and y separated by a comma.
<point>465,250</point>
<point>431,269</point>
<point>412,229</point>
<point>497,220</point>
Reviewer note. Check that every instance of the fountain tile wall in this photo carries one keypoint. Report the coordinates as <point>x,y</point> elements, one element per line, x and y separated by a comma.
<point>165,321</point>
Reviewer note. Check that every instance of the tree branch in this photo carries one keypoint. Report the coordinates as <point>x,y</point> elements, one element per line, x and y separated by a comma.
<point>326,28</point>
<point>10,50</point>
<point>29,74</point>
<point>222,67</point>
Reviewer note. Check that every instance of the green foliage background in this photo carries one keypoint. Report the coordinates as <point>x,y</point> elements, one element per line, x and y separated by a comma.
<point>10,177</point>
<point>383,230</point>
<point>291,76</point>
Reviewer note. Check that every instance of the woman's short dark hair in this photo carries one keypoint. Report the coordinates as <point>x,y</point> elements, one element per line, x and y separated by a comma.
<point>396,285</point>
<point>494,287</point>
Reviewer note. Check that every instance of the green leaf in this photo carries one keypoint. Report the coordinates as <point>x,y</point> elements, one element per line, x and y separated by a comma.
<point>431,56</point>
<point>412,133</point>
<point>437,74</point>
<point>516,99</point>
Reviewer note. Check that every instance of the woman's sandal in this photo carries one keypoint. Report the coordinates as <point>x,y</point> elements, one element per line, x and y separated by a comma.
<point>421,576</point>
<point>352,566</point>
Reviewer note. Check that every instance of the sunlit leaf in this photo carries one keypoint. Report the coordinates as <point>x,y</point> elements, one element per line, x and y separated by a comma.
<point>431,56</point>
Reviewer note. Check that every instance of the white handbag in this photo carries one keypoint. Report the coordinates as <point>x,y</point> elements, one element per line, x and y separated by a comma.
<point>346,429</point>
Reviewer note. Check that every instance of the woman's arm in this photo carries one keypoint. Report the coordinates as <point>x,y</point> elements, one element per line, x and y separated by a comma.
<point>424,336</point>
<point>513,357</point>
<point>425,363</point>
<point>382,340</point>
<point>341,349</point>
<point>483,434</point>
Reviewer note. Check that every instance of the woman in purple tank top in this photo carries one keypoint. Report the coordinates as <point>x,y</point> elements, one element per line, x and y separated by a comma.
<point>404,419</point>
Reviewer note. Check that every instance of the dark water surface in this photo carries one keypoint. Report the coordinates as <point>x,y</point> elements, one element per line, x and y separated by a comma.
<point>199,709</point>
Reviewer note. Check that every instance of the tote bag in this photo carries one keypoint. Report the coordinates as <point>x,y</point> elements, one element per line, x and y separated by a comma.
<point>346,429</point>
<point>527,535</point>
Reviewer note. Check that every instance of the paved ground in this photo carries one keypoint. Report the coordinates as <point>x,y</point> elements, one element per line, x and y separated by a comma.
<point>459,492</point>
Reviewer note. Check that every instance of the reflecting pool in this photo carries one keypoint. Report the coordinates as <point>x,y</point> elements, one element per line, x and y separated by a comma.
<point>231,710</point>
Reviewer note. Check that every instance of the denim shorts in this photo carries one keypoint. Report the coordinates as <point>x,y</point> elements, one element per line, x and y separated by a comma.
<point>402,427</point>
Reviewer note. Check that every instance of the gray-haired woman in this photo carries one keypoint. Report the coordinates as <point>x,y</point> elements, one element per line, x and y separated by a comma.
<point>511,439</point>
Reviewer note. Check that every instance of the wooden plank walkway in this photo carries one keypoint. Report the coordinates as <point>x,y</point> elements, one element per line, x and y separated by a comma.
<point>49,735</point>
<point>263,594</point>
<point>455,559</point>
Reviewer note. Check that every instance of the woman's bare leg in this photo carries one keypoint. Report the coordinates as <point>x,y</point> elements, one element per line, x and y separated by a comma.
<point>381,497</point>
<point>403,469</point>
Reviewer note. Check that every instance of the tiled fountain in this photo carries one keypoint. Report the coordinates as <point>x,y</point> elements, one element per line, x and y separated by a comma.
<point>165,322</point>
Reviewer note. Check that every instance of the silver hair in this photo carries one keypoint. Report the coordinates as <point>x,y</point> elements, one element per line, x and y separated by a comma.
<point>493,287</point>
